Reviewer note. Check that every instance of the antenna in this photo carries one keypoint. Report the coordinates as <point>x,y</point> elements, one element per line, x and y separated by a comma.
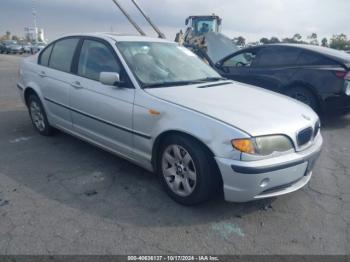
<point>160,34</point>
<point>129,18</point>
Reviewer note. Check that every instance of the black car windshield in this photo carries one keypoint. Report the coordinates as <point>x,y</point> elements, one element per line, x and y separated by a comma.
<point>158,64</point>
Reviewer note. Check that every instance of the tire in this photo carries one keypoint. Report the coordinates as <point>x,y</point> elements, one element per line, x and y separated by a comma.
<point>38,116</point>
<point>191,177</point>
<point>303,95</point>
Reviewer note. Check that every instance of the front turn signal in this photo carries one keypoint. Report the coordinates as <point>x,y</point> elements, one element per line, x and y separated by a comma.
<point>244,145</point>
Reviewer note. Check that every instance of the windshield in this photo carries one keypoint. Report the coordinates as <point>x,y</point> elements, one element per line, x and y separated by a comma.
<point>156,64</point>
<point>204,25</point>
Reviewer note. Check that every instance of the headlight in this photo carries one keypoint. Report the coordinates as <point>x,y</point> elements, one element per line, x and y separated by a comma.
<point>264,145</point>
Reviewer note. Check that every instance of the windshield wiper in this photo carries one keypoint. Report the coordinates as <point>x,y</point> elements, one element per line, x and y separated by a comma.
<point>213,79</point>
<point>175,83</point>
<point>183,83</point>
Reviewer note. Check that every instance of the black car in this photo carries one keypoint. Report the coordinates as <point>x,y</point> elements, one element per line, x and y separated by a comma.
<point>317,76</point>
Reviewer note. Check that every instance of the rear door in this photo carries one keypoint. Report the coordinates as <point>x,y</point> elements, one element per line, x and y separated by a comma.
<point>275,66</point>
<point>320,72</point>
<point>99,112</point>
<point>56,77</point>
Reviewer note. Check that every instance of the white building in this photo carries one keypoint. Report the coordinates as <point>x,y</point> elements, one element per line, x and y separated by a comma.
<point>34,34</point>
<point>41,36</point>
<point>30,33</point>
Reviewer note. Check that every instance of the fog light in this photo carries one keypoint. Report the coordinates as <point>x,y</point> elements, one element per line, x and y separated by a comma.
<point>264,182</point>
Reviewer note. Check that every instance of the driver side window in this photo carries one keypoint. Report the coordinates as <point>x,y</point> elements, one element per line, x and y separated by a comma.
<point>241,60</point>
<point>96,57</point>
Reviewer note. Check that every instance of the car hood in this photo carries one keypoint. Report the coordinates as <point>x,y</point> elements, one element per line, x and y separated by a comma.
<point>252,109</point>
<point>219,46</point>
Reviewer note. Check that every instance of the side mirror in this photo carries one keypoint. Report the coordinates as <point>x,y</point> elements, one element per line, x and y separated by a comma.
<point>110,78</point>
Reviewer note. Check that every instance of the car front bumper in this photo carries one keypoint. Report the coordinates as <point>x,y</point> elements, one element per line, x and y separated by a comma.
<point>245,181</point>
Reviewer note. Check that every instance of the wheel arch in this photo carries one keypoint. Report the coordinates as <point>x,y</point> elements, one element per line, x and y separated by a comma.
<point>161,138</point>
<point>308,87</point>
<point>32,88</point>
<point>27,93</point>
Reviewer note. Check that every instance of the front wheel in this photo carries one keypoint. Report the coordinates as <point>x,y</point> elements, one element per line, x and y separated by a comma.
<point>38,116</point>
<point>303,95</point>
<point>187,170</point>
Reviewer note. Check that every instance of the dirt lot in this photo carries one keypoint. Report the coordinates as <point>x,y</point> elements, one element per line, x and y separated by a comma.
<point>60,195</point>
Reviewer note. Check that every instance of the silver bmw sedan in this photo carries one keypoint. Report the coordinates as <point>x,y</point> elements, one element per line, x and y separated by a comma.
<point>158,105</point>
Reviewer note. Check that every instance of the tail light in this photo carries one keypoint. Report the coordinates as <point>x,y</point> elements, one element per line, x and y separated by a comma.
<point>340,74</point>
<point>347,76</point>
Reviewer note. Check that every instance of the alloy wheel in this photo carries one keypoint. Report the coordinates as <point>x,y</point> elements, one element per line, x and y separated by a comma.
<point>37,116</point>
<point>179,170</point>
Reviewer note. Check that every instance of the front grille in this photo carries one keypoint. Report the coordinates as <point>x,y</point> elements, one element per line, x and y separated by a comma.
<point>304,136</point>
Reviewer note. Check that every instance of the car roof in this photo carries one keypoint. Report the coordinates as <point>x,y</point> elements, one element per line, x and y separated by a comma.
<point>123,37</point>
<point>337,55</point>
<point>315,48</point>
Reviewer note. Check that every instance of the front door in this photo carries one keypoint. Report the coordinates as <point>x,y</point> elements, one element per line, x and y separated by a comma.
<point>99,112</point>
<point>238,67</point>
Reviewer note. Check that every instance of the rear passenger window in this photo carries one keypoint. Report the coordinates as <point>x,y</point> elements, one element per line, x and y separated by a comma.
<point>96,57</point>
<point>278,56</point>
<point>45,55</point>
<point>62,54</point>
<point>309,58</point>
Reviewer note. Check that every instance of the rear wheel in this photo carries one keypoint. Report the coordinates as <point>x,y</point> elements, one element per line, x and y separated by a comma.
<point>303,95</point>
<point>38,116</point>
<point>187,171</point>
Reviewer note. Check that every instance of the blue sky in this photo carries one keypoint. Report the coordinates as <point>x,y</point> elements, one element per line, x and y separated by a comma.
<point>252,19</point>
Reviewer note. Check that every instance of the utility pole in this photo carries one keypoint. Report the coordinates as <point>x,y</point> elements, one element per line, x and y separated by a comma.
<point>129,18</point>
<point>34,13</point>
<point>148,19</point>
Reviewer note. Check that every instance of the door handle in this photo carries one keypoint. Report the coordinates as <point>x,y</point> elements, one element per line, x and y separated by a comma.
<point>76,85</point>
<point>42,74</point>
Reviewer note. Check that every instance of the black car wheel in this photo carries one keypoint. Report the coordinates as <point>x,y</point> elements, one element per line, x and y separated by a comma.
<point>303,95</point>
<point>186,170</point>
